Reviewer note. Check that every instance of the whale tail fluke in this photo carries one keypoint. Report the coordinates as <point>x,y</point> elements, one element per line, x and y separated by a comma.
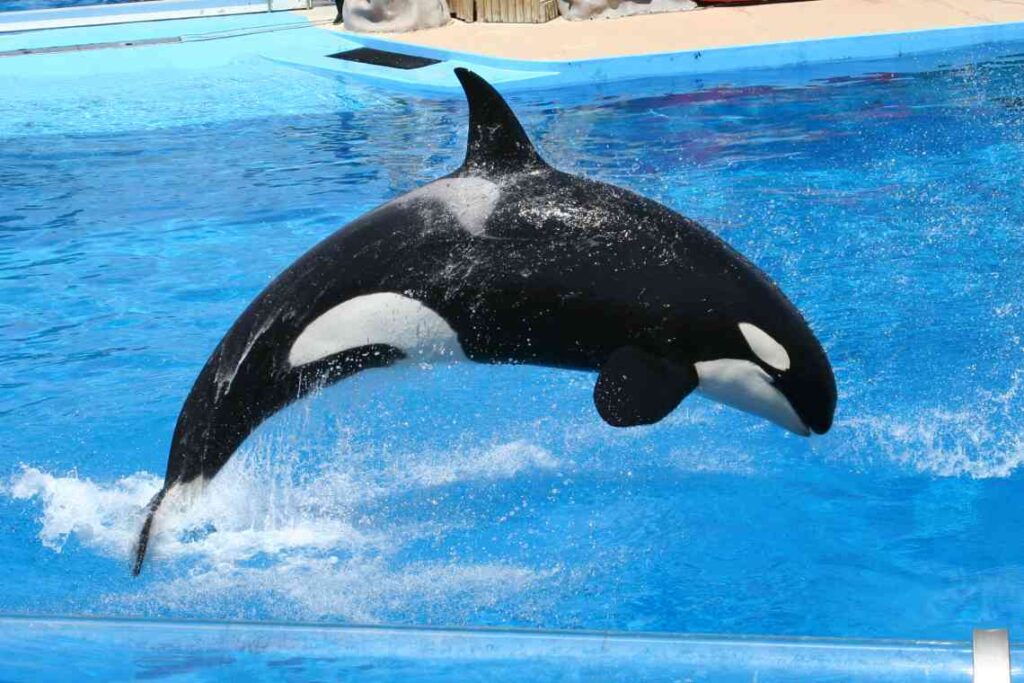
<point>143,542</point>
<point>497,140</point>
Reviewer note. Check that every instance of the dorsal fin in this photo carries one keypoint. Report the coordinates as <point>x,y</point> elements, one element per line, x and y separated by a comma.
<point>497,141</point>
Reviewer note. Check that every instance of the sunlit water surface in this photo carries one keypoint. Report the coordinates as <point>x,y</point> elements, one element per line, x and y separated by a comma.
<point>138,217</point>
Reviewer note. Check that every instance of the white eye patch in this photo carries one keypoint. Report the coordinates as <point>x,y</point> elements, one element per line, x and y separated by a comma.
<point>767,349</point>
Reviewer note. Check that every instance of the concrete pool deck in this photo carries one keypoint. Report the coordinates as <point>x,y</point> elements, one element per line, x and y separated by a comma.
<point>720,27</point>
<point>784,43</point>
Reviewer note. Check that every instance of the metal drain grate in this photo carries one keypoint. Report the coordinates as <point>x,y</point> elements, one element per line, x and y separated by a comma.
<point>394,60</point>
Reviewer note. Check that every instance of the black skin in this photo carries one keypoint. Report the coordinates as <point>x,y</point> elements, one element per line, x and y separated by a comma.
<point>339,4</point>
<point>566,273</point>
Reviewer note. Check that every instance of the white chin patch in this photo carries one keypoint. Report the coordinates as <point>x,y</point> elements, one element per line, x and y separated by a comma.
<point>383,318</point>
<point>745,386</point>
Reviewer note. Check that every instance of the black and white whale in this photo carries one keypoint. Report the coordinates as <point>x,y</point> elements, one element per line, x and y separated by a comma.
<point>508,260</point>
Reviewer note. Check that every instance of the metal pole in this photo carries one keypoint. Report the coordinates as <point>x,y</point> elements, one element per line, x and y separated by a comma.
<point>991,656</point>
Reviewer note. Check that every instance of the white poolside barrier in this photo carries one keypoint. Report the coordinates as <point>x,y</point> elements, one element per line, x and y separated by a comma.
<point>148,10</point>
<point>228,650</point>
<point>991,656</point>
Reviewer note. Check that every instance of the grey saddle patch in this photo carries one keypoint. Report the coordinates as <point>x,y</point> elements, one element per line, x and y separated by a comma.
<point>470,200</point>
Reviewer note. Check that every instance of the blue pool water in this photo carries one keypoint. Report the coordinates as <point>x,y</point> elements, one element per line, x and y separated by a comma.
<point>142,208</point>
<point>12,5</point>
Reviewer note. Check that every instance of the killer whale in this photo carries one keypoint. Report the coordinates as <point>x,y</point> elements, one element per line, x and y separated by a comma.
<point>508,260</point>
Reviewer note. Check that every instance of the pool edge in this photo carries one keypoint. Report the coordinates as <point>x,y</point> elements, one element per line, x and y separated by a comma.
<point>696,63</point>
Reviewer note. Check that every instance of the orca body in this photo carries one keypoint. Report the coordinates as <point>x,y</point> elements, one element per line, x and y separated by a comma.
<point>508,260</point>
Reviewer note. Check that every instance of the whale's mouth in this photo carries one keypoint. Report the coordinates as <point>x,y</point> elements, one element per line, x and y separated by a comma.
<point>745,386</point>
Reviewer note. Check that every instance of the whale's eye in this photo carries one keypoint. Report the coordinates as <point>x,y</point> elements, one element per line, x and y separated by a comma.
<point>767,349</point>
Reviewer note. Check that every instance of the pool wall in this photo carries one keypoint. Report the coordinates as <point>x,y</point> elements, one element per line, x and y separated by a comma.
<point>216,651</point>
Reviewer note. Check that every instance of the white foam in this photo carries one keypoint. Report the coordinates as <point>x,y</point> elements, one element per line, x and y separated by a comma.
<point>981,440</point>
<point>95,513</point>
<point>293,540</point>
<point>500,462</point>
<point>943,443</point>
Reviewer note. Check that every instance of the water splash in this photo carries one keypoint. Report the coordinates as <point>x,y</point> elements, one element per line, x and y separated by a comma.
<point>361,590</point>
<point>980,440</point>
<point>267,535</point>
<point>95,513</point>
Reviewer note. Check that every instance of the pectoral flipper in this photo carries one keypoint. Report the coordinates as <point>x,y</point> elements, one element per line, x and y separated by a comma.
<point>636,387</point>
